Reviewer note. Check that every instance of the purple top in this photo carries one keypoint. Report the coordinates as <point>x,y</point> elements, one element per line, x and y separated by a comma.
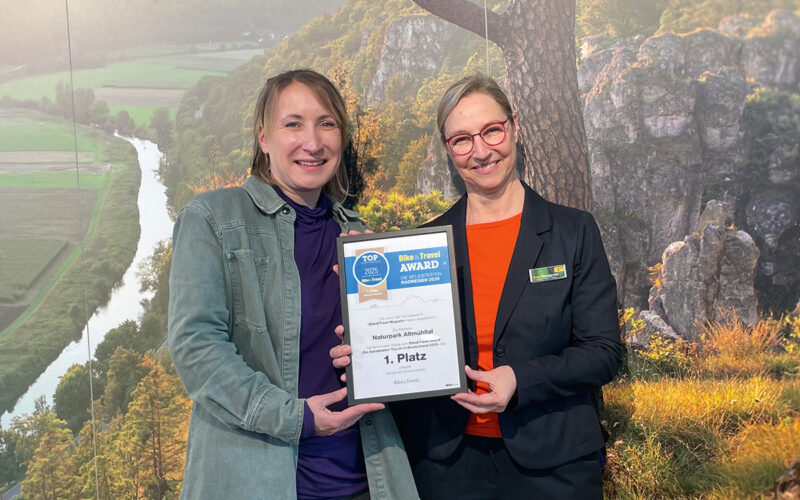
<point>327,466</point>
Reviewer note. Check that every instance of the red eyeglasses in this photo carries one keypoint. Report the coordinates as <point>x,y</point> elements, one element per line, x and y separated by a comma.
<point>492,134</point>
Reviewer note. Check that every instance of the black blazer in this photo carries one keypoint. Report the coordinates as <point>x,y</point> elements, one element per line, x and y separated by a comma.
<point>561,337</point>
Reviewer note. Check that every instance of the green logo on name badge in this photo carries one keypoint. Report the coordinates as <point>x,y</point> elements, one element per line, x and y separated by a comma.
<point>548,273</point>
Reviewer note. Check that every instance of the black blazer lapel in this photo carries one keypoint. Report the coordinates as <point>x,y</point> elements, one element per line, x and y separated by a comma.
<point>535,221</point>
<point>456,216</point>
<point>464,274</point>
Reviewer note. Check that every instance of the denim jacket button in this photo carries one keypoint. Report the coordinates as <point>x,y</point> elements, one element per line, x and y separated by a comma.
<point>501,351</point>
<point>368,421</point>
<point>285,210</point>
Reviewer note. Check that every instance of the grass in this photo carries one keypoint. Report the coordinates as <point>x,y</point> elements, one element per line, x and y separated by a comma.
<point>758,456</point>
<point>697,412</point>
<point>683,438</point>
<point>37,300</point>
<point>24,260</point>
<point>732,348</point>
<point>209,61</point>
<point>725,424</point>
<point>53,180</point>
<point>58,213</point>
<point>44,136</point>
<point>72,258</point>
<point>142,115</point>
<point>126,74</point>
<point>181,50</point>
<point>641,470</point>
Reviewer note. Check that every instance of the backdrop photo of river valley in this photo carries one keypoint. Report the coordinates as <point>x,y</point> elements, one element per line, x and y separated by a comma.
<point>689,120</point>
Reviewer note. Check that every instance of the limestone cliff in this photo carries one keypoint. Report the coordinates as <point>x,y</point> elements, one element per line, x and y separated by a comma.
<point>667,129</point>
<point>675,120</point>
<point>414,48</point>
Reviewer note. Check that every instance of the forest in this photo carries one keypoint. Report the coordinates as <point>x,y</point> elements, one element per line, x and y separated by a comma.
<point>715,416</point>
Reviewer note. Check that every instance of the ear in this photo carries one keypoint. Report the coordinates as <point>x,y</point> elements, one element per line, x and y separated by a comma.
<point>262,141</point>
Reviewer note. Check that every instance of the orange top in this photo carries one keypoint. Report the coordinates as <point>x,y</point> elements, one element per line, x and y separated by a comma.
<point>490,247</point>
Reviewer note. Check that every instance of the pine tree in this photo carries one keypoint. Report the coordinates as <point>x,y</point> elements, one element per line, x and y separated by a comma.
<point>156,420</point>
<point>72,397</point>
<point>30,429</point>
<point>125,371</point>
<point>51,475</point>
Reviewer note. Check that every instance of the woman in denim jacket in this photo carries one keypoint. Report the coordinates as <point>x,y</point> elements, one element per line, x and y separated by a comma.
<point>253,305</point>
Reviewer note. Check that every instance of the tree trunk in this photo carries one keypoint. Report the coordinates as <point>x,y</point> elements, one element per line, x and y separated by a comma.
<point>538,45</point>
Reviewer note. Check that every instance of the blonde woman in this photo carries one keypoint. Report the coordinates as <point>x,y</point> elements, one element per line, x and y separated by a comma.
<point>253,305</point>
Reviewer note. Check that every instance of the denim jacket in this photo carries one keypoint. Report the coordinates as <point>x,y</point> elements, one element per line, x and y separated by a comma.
<point>234,336</point>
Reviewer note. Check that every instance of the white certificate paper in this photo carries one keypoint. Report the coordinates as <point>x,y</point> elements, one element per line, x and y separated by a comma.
<point>401,315</point>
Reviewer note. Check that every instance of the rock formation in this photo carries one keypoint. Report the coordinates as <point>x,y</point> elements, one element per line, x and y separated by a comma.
<point>435,176</point>
<point>787,487</point>
<point>414,48</point>
<point>705,277</point>
<point>669,127</point>
<point>653,325</point>
<point>666,129</point>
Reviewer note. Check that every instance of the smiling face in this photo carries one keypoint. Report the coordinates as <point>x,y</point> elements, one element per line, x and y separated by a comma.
<point>303,142</point>
<point>486,170</point>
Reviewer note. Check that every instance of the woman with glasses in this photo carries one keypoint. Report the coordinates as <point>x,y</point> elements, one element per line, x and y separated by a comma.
<point>539,309</point>
<point>253,304</point>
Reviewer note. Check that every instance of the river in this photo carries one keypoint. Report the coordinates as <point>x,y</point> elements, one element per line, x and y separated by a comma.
<point>125,302</point>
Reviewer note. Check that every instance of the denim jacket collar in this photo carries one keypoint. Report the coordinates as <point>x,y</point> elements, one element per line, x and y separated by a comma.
<point>263,196</point>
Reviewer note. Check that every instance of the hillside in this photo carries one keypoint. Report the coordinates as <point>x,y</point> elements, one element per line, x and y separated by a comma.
<point>394,103</point>
<point>393,62</point>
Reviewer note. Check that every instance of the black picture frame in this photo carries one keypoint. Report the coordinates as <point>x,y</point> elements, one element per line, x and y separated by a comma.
<point>346,278</point>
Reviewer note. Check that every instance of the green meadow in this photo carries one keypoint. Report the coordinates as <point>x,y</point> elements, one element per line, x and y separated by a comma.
<point>140,114</point>
<point>53,180</point>
<point>26,260</point>
<point>126,74</point>
<point>39,185</point>
<point>137,86</point>
<point>42,136</point>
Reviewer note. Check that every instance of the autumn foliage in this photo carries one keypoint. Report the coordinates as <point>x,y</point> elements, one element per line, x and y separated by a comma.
<point>140,453</point>
<point>393,211</point>
<point>216,181</point>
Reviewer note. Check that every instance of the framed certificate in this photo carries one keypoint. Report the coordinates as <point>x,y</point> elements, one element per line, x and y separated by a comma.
<point>401,315</point>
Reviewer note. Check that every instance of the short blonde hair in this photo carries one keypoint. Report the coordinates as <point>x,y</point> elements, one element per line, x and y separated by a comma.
<point>472,84</point>
<point>328,96</point>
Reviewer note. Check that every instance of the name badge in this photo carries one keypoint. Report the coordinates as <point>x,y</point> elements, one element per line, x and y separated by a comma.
<point>549,273</point>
